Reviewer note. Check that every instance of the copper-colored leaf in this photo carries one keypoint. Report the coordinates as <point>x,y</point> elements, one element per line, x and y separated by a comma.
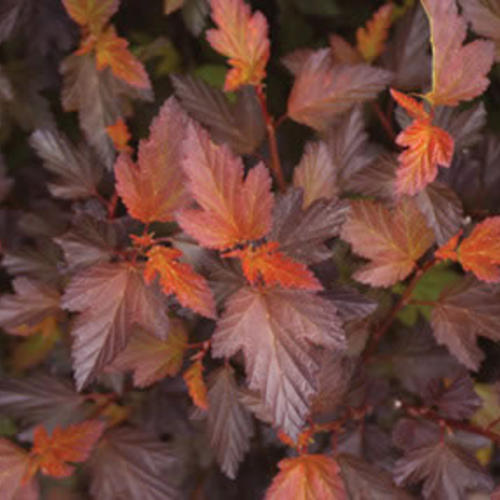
<point>458,71</point>
<point>233,210</point>
<point>152,359</point>
<point>307,477</point>
<point>342,51</point>
<point>242,37</point>
<point>112,51</point>
<point>120,136</point>
<point>92,13</point>
<point>371,39</point>
<point>73,444</point>
<point>393,241</point>
<point>153,189</point>
<point>193,377</point>
<point>316,174</point>
<point>112,299</point>
<point>322,90</point>
<point>277,330</point>
<point>414,108</point>
<point>190,288</point>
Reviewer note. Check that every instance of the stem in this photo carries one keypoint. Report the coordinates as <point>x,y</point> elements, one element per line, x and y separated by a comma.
<point>386,123</point>
<point>431,415</point>
<point>402,302</point>
<point>273,144</point>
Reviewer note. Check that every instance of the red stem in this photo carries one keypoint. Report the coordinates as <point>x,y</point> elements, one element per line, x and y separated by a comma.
<point>386,123</point>
<point>273,144</point>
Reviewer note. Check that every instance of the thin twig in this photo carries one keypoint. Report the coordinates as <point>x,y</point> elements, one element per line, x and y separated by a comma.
<point>386,123</point>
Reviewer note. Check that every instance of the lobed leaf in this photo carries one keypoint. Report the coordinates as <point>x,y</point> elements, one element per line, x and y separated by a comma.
<point>92,13</point>
<point>277,331</point>
<point>393,241</point>
<point>371,38</point>
<point>233,210</point>
<point>193,377</point>
<point>243,38</point>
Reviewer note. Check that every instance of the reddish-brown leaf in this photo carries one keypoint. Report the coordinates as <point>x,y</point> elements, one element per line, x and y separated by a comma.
<point>428,147</point>
<point>393,241</point>
<point>73,444</point>
<point>112,50</point>
<point>242,37</point>
<point>92,13</point>
<point>197,388</point>
<point>371,39</point>
<point>458,71</point>
<point>278,331</point>
<point>153,189</point>
<point>323,90</point>
<point>307,477</point>
<point>342,51</point>
<point>15,466</point>
<point>190,288</point>
<point>120,136</point>
<point>233,210</point>
<point>266,262</point>
<point>152,359</point>
<point>316,174</point>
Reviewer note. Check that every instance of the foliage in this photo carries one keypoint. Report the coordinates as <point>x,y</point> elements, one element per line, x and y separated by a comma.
<point>250,249</point>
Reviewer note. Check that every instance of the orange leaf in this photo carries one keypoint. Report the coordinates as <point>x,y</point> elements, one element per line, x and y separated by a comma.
<point>458,71</point>
<point>233,210</point>
<point>73,444</point>
<point>307,477</point>
<point>274,267</point>
<point>428,146</point>
<point>197,388</point>
<point>414,108</point>
<point>153,189</point>
<point>480,251</point>
<point>241,37</point>
<point>151,358</point>
<point>393,241</point>
<point>178,278</point>
<point>119,134</point>
<point>449,249</point>
<point>92,13</point>
<point>112,51</point>
<point>371,39</point>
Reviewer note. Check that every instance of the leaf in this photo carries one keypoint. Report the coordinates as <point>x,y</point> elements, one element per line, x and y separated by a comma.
<point>152,359</point>
<point>480,251</point>
<point>301,234</point>
<point>32,302</point>
<point>76,170</point>
<point>307,477</point>
<point>316,174</point>
<point>458,71</point>
<point>363,480</point>
<point>153,189</point>
<point>322,90</point>
<point>14,464</point>
<point>233,210</point>
<point>112,298</point>
<point>277,331</point>
<point>112,50</point>
<point>242,37</point>
<point>485,19</point>
<point>463,313</point>
<point>40,399</point>
<point>130,463</point>
<point>193,377</point>
<point>190,288</point>
<point>12,14</point>
<point>454,398</point>
<point>88,241</point>
<point>393,241</point>
<point>170,6</point>
<point>229,424</point>
<point>447,471</point>
<point>73,444</point>
<point>266,262</point>
<point>371,39</point>
<point>92,13</point>
<point>99,98</point>
<point>120,135</point>
<point>238,124</point>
